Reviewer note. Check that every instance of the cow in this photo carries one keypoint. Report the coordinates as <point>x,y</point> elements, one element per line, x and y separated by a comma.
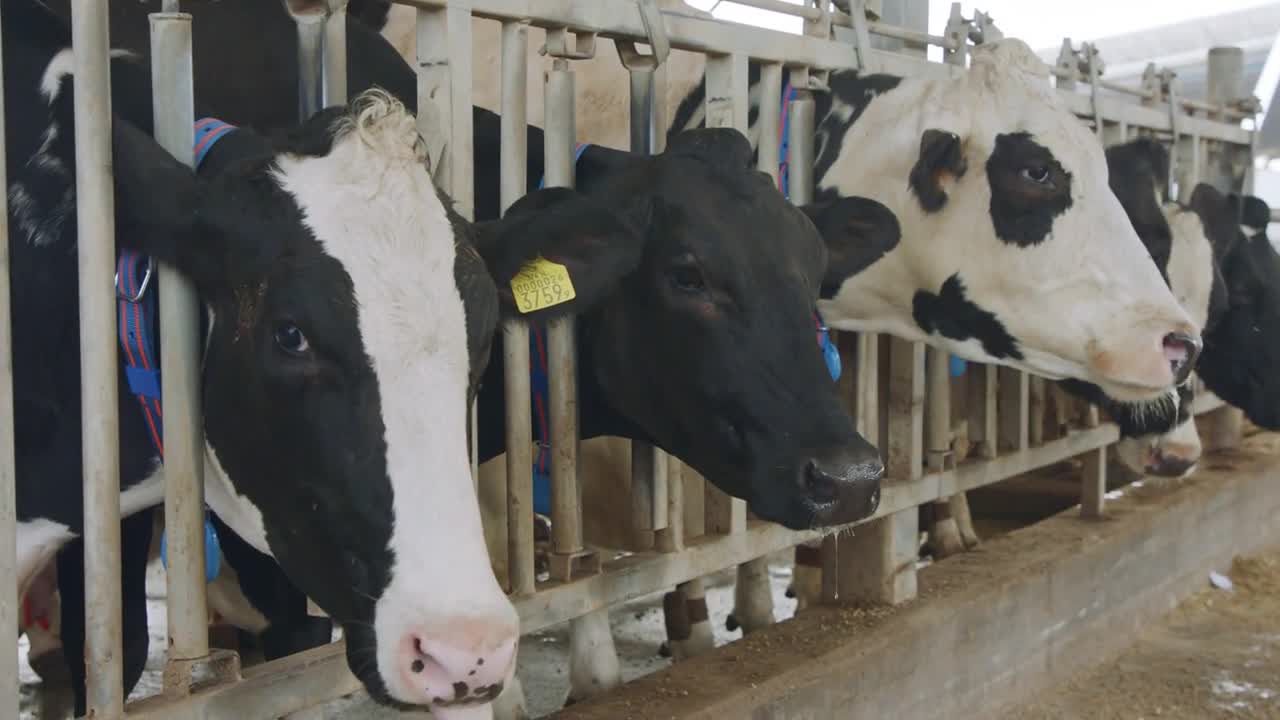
<point>1160,438</point>
<point>713,229</point>
<point>1251,271</point>
<point>314,252</point>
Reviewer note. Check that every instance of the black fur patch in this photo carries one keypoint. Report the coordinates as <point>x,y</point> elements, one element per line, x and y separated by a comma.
<point>940,154</point>
<point>1023,210</point>
<point>952,315</point>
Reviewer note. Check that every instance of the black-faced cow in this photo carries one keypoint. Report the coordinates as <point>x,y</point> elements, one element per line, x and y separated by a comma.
<point>1251,271</point>
<point>326,387</point>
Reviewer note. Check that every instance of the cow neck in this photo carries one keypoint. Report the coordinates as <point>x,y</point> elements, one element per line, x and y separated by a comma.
<point>138,314</point>
<point>957,366</point>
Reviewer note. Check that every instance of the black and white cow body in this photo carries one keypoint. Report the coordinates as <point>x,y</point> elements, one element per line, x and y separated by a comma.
<point>326,388</point>
<point>1159,438</point>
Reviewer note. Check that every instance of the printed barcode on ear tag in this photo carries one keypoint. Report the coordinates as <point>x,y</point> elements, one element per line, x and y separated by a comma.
<point>541,284</point>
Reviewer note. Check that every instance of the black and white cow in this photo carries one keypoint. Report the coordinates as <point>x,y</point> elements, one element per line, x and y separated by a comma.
<point>349,318</point>
<point>1251,271</point>
<point>676,347</point>
<point>1159,438</point>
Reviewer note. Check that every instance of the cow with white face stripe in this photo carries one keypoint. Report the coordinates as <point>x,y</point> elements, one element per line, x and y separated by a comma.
<point>348,320</point>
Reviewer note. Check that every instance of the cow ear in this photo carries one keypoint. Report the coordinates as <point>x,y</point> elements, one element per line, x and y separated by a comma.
<point>156,200</point>
<point>941,161</point>
<point>1217,213</point>
<point>857,231</point>
<point>557,252</point>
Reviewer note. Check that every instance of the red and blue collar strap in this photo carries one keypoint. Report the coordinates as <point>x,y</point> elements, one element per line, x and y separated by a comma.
<point>137,315</point>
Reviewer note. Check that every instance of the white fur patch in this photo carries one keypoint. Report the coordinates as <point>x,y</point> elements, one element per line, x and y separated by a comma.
<point>1190,267</point>
<point>372,205</point>
<point>64,64</point>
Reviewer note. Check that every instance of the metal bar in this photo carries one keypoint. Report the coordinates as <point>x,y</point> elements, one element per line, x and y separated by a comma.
<point>310,62</point>
<point>767,151</point>
<point>726,106</point>
<point>99,365</point>
<point>938,408</point>
<point>8,501</point>
<point>335,53</point>
<point>1013,402</point>
<point>174,115</point>
<point>906,410</point>
<point>1093,486</point>
<point>566,490</point>
<point>800,140</point>
<point>444,99</point>
<point>515,331</point>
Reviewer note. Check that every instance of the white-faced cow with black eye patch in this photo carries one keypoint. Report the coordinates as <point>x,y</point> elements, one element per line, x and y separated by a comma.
<point>1013,251</point>
<point>348,318</point>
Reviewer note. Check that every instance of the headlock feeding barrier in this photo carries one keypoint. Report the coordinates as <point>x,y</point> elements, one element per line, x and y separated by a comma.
<point>943,427</point>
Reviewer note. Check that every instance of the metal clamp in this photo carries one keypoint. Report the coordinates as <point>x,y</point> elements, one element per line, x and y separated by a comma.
<point>557,45</point>
<point>142,287</point>
<point>655,29</point>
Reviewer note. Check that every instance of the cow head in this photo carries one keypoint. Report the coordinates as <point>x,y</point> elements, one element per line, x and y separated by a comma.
<point>1241,367</point>
<point>1014,250</point>
<point>349,316</point>
<point>699,331</point>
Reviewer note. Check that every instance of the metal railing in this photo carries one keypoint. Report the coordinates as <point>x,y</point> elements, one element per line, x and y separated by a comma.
<point>941,436</point>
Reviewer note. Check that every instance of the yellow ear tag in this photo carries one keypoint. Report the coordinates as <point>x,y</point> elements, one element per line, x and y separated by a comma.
<point>541,284</point>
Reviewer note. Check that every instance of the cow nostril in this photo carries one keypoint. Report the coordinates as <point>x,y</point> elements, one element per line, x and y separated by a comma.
<point>820,485</point>
<point>1181,350</point>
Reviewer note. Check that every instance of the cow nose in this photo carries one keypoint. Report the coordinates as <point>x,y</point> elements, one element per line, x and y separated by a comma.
<point>843,486</point>
<point>1171,461</point>
<point>1181,350</point>
<point>461,662</point>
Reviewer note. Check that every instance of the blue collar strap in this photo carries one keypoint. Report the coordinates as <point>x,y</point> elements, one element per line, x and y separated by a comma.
<point>577,155</point>
<point>136,319</point>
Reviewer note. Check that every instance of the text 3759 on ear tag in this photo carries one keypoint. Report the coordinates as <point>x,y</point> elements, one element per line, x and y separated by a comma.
<point>541,284</point>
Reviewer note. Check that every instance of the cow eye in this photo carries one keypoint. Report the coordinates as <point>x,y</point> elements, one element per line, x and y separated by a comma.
<point>685,275</point>
<point>291,340</point>
<point>1038,174</point>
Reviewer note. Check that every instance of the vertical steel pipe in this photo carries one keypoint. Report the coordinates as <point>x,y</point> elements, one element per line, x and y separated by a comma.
<point>174,115</point>
<point>99,364</point>
<point>515,332</point>
<point>562,356</point>
<point>770,118</point>
<point>335,53</point>
<point>8,516</point>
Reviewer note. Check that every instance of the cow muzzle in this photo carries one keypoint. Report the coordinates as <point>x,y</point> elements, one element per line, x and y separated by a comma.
<point>842,485</point>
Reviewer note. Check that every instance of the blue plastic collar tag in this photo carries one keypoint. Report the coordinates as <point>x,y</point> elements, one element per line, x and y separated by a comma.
<point>212,551</point>
<point>958,365</point>
<point>830,352</point>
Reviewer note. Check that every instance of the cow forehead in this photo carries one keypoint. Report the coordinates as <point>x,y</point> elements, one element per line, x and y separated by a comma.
<point>382,220</point>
